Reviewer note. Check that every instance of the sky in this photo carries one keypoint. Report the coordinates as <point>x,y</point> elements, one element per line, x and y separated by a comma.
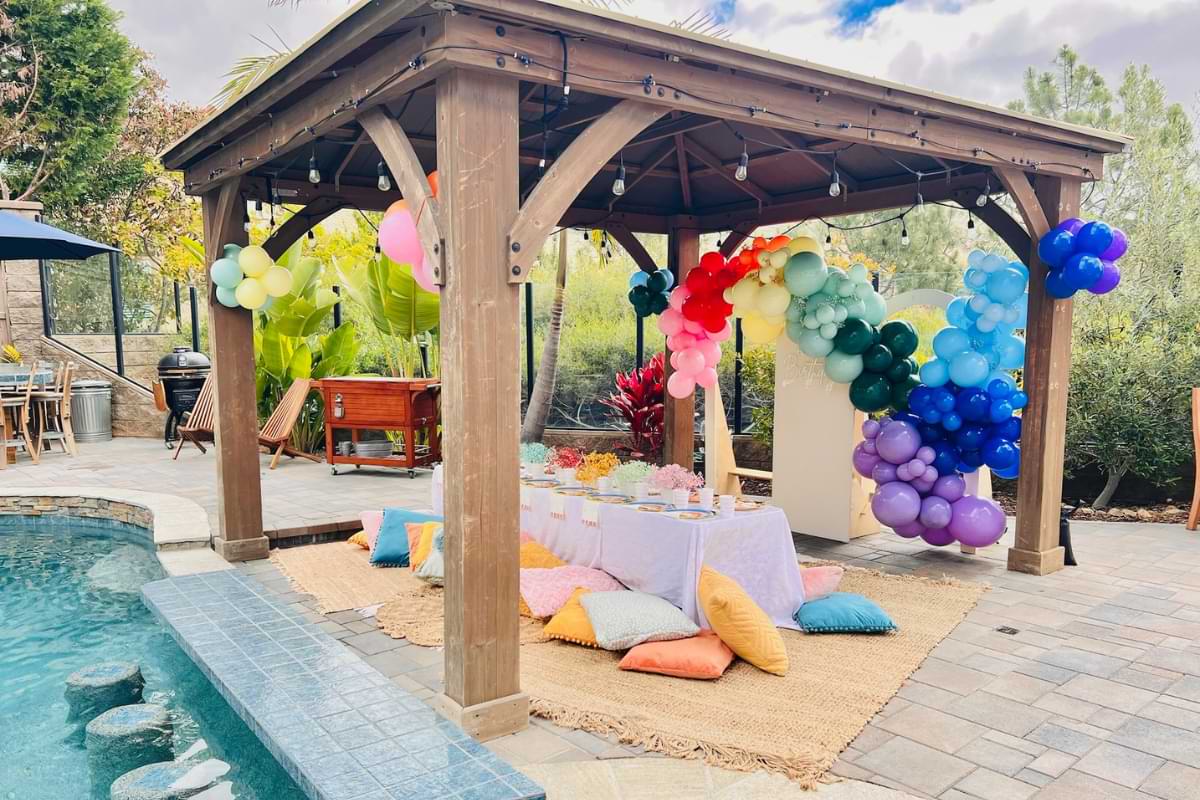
<point>976,49</point>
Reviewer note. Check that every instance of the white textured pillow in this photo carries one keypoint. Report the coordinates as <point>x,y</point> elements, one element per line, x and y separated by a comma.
<point>626,619</point>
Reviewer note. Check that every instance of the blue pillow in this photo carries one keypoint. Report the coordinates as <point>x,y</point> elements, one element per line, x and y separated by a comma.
<point>843,612</point>
<point>391,546</point>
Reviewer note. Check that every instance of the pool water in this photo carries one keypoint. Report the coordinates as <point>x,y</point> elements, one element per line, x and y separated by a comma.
<point>70,597</point>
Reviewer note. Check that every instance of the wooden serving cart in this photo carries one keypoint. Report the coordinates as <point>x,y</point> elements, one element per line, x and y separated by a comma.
<point>408,406</point>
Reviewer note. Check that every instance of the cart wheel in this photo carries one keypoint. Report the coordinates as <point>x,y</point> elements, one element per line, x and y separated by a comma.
<point>356,466</point>
<point>333,471</point>
<point>412,473</point>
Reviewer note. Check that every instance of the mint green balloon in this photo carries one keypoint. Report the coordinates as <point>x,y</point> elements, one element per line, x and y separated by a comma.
<point>813,344</point>
<point>805,274</point>
<point>811,321</point>
<point>795,331</point>
<point>226,297</point>
<point>226,273</point>
<point>876,309</point>
<point>232,251</point>
<point>842,367</point>
<point>795,310</point>
<point>855,308</point>
<point>828,330</point>
<point>825,314</point>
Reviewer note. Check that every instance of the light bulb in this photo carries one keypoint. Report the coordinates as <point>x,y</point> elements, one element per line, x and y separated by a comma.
<point>619,183</point>
<point>970,227</point>
<point>311,236</point>
<point>828,238</point>
<point>384,183</point>
<point>835,185</point>
<point>743,167</point>
<point>981,201</point>
<point>904,240</point>
<point>314,171</point>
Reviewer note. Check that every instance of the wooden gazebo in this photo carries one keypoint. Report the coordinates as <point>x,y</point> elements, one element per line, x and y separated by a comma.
<point>529,109</point>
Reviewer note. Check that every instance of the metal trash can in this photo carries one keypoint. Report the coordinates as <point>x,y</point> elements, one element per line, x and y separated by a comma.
<point>91,410</point>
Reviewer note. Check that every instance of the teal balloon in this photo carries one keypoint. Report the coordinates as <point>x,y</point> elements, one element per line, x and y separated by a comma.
<point>657,282</point>
<point>876,309</point>
<point>226,297</point>
<point>231,251</point>
<point>226,273</point>
<point>900,370</point>
<point>812,343</point>
<point>878,358</point>
<point>843,367</point>
<point>805,274</point>
<point>855,337</point>
<point>795,310</point>
<point>833,280</point>
<point>870,392</point>
<point>969,369</point>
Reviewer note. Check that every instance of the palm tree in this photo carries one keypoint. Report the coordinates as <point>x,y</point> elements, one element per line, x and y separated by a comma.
<point>538,411</point>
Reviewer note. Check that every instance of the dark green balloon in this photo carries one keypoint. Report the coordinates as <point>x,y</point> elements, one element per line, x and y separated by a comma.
<point>855,336</point>
<point>900,337</point>
<point>636,297</point>
<point>870,391</point>
<point>899,369</point>
<point>900,391</point>
<point>877,358</point>
<point>659,303</point>
<point>657,284</point>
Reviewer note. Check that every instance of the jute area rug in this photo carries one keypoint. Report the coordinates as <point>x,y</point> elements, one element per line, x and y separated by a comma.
<point>340,575</point>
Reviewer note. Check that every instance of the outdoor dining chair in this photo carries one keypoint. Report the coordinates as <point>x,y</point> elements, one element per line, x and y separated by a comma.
<point>277,431</point>
<point>16,411</point>
<point>53,412</point>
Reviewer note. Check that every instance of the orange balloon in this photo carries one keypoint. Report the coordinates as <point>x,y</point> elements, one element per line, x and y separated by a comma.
<point>433,182</point>
<point>759,243</point>
<point>399,205</point>
<point>778,243</point>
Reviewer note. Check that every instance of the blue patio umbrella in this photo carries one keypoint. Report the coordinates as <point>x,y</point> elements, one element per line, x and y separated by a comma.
<point>23,238</point>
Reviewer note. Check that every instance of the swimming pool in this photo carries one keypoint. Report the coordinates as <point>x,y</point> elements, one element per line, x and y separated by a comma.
<point>70,597</point>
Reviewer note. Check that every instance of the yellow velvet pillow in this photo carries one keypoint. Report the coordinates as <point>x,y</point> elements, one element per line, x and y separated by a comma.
<point>571,623</point>
<point>360,539</point>
<point>414,530</point>
<point>740,623</point>
<point>535,555</point>
<point>424,544</point>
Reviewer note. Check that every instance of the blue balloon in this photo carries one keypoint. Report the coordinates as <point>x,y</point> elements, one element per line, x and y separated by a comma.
<point>1000,411</point>
<point>1011,350</point>
<point>1094,238</point>
<point>919,398</point>
<point>1005,285</point>
<point>969,369</point>
<point>638,278</point>
<point>943,399</point>
<point>935,372</point>
<point>1055,246</point>
<point>1019,399</point>
<point>1009,429</point>
<point>1022,311</point>
<point>1001,375</point>
<point>670,278</point>
<point>999,453</point>
<point>949,342</point>
<point>911,419</point>
<point>973,404</point>
<point>226,273</point>
<point>226,297</point>
<point>1057,285</point>
<point>1012,471</point>
<point>930,434</point>
<point>975,278</point>
<point>945,458</point>
<point>956,313</point>
<point>951,421</point>
<point>972,458</point>
<point>1082,270</point>
<point>1021,268</point>
<point>998,389</point>
<point>970,437</point>
<point>931,415</point>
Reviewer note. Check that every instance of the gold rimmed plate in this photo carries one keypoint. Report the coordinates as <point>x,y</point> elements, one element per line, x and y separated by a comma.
<point>693,514</point>
<point>541,483</point>
<point>652,506</point>
<point>612,499</point>
<point>748,505</point>
<point>574,491</point>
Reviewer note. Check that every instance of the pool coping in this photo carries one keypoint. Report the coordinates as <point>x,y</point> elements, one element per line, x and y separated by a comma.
<point>338,726</point>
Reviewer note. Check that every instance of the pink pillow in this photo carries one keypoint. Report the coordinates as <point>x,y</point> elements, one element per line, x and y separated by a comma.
<point>820,581</point>
<point>371,520</point>
<point>546,591</point>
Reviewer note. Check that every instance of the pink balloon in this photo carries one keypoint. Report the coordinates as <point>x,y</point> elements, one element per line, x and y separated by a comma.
<point>677,296</point>
<point>707,378</point>
<point>722,334</point>
<point>682,341</point>
<point>670,322</point>
<point>398,239</point>
<point>711,352</point>
<point>692,327</point>
<point>423,275</point>
<point>691,361</point>
<point>674,360</point>
<point>680,386</point>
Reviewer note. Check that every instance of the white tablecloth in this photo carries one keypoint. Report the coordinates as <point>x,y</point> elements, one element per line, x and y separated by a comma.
<point>662,555</point>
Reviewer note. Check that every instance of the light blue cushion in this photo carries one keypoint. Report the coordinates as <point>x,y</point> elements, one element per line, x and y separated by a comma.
<point>843,612</point>
<point>391,546</point>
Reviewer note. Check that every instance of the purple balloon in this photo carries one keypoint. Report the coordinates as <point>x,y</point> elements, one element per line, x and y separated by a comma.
<point>931,475</point>
<point>1071,225</point>
<point>916,468</point>
<point>903,473</point>
<point>896,503</point>
<point>863,461</point>
<point>927,454</point>
<point>870,429</point>
<point>950,487</point>
<point>1110,276</point>
<point>976,522</point>
<point>923,485</point>
<point>883,472</point>
<point>898,442</point>
<point>935,512</point>
<point>938,537</point>
<point>869,446</point>
<point>1120,243</point>
<point>909,530</point>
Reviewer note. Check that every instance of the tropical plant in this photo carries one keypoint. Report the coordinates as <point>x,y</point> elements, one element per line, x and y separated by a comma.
<point>758,378</point>
<point>638,401</point>
<point>399,309</point>
<point>537,413</point>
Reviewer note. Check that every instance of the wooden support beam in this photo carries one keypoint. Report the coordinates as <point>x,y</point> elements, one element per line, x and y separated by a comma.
<point>710,159</point>
<point>567,176</point>
<point>1047,376</point>
<point>301,223</point>
<point>406,169</point>
<point>635,248</point>
<point>1028,205</point>
<point>1007,228</point>
<point>346,159</point>
<point>231,340</point>
<point>481,391</point>
<point>822,161</point>
<point>644,170</point>
<point>581,217</point>
<point>685,178</point>
<point>679,418</point>
<point>733,241</point>
<point>685,123</point>
<point>300,193</point>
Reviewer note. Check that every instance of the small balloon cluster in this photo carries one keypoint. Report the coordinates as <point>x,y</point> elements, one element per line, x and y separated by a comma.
<point>248,277</point>
<point>399,241</point>
<point>889,372</point>
<point>979,344</point>
<point>916,498</point>
<point>759,297</point>
<point>695,324</point>
<point>969,427</point>
<point>1082,255</point>
<point>648,291</point>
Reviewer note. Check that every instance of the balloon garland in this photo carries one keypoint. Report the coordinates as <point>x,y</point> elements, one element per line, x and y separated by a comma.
<point>249,278</point>
<point>1082,255</point>
<point>399,241</point>
<point>648,291</point>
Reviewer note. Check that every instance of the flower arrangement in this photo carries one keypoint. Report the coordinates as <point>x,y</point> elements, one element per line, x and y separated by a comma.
<point>673,476</point>
<point>9,354</point>
<point>631,472</point>
<point>596,465</point>
<point>566,458</point>
<point>534,453</point>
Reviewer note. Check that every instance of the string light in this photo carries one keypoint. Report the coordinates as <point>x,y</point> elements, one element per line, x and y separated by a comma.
<point>311,236</point>
<point>385,182</point>
<point>982,200</point>
<point>377,251</point>
<point>258,205</point>
<point>743,168</point>
<point>904,240</point>
<point>314,171</point>
<point>835,182</point>
<point>618,187</point>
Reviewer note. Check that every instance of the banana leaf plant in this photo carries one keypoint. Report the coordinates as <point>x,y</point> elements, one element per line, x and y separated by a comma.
<point>398,308</point>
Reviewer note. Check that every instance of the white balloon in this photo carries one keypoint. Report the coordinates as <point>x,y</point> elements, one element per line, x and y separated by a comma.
<point>985,325</point>
<point>975,258</point>
<point>993,262</point>
<point>979,303</point>
<point>994,312</point>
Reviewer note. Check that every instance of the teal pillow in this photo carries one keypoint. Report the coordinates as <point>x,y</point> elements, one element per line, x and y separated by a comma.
<point>843,612</point>
<point>391,546</point>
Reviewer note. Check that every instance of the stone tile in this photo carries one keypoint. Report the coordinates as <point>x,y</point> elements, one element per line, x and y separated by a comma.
<point>391,663</point>
<point>933,728</point>
<point>1109,694</point>
<point>1052,763</point>
<point>533,744</point>
<point>1022,688</point>
<point>1165,658</point>
<point>1062,738</point>
<point>990,664</point>
<point>1110,719</point>
<point>913,764</point>
<point>1118,764</point>
<point>1015,743</point>
<point>951,677</point>
<point>1158,739</point>
<point>988,785</point>
<point>361,626</point>
<point>998,713</point>
<point>1173,781</point>
<point>926,695</point>
<point>1082,661</point>
<point>1142,679</point>
<point>1034,778</point>
<point>871,737</point>
<point>1067,706</point>
<point>1188,688</point>
<point>987,753</point>
<point>1046,672</point>
<point>1171,715</point>
<point>371,643</point>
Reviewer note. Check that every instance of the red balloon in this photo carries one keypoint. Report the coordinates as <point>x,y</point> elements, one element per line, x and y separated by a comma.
<point>696,280</point>
<point>693,309</point>
<point>714,323</point>
<point>712,262</point>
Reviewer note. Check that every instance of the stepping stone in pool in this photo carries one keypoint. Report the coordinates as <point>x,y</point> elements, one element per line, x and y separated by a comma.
<point>125,738</point>
<point>173,780</point>
<point>99,687</point>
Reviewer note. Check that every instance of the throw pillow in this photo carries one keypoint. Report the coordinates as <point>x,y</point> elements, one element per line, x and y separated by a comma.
<point>371,522</point>
<point>704,657</point>
<point>391,546</point>
<point>820,581</point>
<point>740,623</point>
<point>623,620</point>
<point>359,539</point>
<point>425,543</point>
<point>433,566</point>
<point>548,590</point>
<point>536,556</point>
<point>571,622</point>
<point>843,612</point>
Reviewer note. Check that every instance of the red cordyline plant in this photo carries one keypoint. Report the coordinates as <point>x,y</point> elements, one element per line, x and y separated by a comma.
<point>639,401</point>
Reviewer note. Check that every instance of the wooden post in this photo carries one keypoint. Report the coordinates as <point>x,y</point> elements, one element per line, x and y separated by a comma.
<point>1047,373</point>
<point>231,339</point>
<point>683,253</point>
<point>481,391</point>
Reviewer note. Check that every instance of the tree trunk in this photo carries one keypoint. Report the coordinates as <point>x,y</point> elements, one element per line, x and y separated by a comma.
<point>538,412</point>
<point>1110,488</point>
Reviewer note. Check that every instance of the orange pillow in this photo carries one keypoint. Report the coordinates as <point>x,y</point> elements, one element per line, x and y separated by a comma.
<point>571,623</point>
<point>704,657</point>
<point>414,530</point>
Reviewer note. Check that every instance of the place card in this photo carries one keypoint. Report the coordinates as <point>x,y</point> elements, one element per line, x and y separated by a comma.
<point>558,504</point>
<point>591,511</point>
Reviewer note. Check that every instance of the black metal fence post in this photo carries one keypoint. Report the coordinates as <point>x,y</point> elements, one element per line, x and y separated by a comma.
<point>528,340</point>
<point>178,309</point>
<point>737,375</point>
<point>44,280</point>
<point>337,308</point>
<point>195,311</point>
<point>114,285</point>
<point>641,341</point>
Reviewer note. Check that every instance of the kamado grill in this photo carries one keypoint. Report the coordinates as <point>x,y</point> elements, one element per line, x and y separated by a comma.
<point>182,373</point>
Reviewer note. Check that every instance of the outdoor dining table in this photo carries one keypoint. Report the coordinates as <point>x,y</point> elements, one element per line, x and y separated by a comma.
<point>13,381</point>
<point>661,554</point>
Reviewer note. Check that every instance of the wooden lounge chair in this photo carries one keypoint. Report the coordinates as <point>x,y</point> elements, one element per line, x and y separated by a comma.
<point>1194,514</point>
<point>276,433</point>
<point>198,427</point>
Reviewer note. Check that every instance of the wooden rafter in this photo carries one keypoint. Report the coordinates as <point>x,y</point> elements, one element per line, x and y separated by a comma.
<point>822,162</point>
<point>685,123</point>
<point>685,178</point>
<point>301,223</point>
<point>346,159</point>
<point>733,241</point>
<point>564,179</point>
<point>633,246</point>
<point>644,170</point>
<point>1021,190</point>
<point>573,117</point>
<point>709,158</point>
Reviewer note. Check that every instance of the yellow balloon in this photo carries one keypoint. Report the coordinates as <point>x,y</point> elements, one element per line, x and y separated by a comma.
<point>250,293</point>
<point>277,281</point>
<point>759,330</point>
<point>254,261</point>
<point>804,244</point>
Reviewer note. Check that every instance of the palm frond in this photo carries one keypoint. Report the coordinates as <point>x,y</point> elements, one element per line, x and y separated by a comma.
<point>702,22</point>
<point>246,72</point>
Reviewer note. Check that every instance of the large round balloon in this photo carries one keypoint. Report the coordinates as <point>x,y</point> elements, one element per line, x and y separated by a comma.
<point>277,281</point>
<point>805,273</point>
<point>870,392</point>
<point>895,503</point>
<point>254,261</point>
<point>976,522</point>
<point>900,337</point>
<point>855,336</point>
<point>898,442</point>
<point>843,367</point>
<point>398,238</point>
<point>227,297</point>
<point>250,293</point>
<point>226,272</point>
